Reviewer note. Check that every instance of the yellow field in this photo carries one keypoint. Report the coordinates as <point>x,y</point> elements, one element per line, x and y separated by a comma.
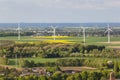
<point>51,37</point>
<point>25,42</point>
<point>53,41</point>
<point>58,41</point>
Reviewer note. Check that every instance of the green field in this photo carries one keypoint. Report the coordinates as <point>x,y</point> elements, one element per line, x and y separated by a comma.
<point>89,40</point>
<point>44,60</point>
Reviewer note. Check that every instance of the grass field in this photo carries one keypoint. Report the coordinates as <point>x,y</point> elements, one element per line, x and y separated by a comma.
<point>44,60</point>
<point>66,39</point>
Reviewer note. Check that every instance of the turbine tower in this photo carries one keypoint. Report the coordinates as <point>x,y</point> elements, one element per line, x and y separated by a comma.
<point>18,29</point>
<point>84,38</point>
<point>54,31</point>
<point>108,31</point>
<point>83,32</point>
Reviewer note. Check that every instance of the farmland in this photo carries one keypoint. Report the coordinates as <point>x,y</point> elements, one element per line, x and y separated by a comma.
<point>67,39</point>
<point>66,52</point>
<point>115,43</point>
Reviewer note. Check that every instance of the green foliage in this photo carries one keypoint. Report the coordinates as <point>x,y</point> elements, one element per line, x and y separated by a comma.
<point>100,63</point>
<point>105,74</point>
<point>42,77</point>
<point>77,76</point>
<point>117,75</point>
<point>116,66</point>
<point>3,61</point>
<point>102,78</point>
<point>46,50</point>
<point>57,76</point>
<point>51,69</point>
<point>84,75</point>
<point>26,63</point>
<point>70,77</point>
<point>57,68</point>
<point>70,62</point>
<point>64,76</point>
<point>94,76</point>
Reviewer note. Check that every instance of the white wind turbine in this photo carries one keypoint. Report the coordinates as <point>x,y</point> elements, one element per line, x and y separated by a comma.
<point>54,31</point>
<point>84,38</point>
<point>18,29</point>
<point>83,32</point>
<point>108,31</point>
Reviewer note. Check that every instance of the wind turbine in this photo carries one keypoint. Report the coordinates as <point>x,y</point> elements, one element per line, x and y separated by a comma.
<point>108,30</point>
<point>18,29</point>
<point>54,30</point>
<point>84,38</point>
<point>83,32</point>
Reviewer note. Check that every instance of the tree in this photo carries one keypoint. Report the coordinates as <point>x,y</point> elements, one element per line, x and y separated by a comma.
<point>116,67</point>
<point>84,75</point>
<point>103,78</point>
<point>71,77</point>
<point>92,76</point>
<point>77,76</point>
<point>64,76</point>
<point>105,74</point>
<point>57,76</point>
<point>3,61</point>
<point>57,68</point>
<point>42,78</point>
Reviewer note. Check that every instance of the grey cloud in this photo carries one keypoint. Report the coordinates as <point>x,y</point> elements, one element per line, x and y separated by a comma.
<point>81,4</point>
<point>48,9</point>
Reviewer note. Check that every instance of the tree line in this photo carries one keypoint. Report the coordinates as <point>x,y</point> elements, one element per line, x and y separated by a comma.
<point>10,49</point>
<point>46,50</point>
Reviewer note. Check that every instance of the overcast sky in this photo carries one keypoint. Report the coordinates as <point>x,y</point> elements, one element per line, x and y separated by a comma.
<point>59,11</point>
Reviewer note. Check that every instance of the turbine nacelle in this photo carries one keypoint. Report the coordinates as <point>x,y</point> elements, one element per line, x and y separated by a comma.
<point>108,29</point>
<point>18,28</point>
<point>53,27</point>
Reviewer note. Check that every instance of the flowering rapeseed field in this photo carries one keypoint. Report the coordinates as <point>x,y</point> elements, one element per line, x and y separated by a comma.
<point>51,37</point>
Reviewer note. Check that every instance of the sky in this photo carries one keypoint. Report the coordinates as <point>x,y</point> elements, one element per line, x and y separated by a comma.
<point>59,11</point>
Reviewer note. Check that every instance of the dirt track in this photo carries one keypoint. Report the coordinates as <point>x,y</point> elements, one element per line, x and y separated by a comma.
<point>115,42</point>
<point>78,68</point>
<point>114,47</point>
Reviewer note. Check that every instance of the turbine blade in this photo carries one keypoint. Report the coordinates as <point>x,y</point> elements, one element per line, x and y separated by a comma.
<point>106,31</point>
<point>111,30</point>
